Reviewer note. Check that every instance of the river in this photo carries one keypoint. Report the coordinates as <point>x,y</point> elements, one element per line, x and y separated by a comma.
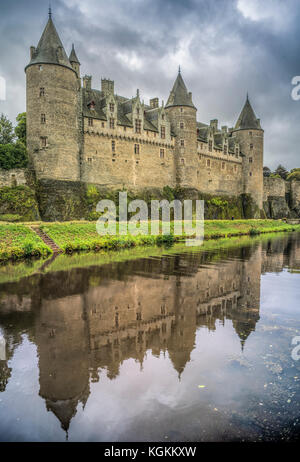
<point>181,344</point>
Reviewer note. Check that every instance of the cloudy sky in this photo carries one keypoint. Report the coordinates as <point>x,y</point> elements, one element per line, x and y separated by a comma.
<point>224,47</point>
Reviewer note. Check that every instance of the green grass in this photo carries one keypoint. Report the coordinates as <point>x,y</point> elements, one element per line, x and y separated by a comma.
<point>19,241</point>
<point>83,236</point>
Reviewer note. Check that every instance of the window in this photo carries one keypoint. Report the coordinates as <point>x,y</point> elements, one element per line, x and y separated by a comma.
<point>182,143</point>
<point>42,91</point>
<point>181,109</point>
<point>225,148</point>
<point>43,118</point>
<point>208,163</point>
<point>163,117</point>
<point>43,141</point>
<point>90,122</point>
<point>113,146</point>
<point>182,161</point>
<point>162,153</point>
<point>237,152</point>
<point>223,165</point>
<point>138,126</point>
<point>210,145</point>
<point>181,125</point>
<point>251,146</point>
<point>102,124</point>
<point>124,128</point>
<point>111,107</point>
<point>136,149</point>
<point>250,160</point>
<point>163,132</point>
<point>138,111</point>
<point>111,123</point>
<point>250,173</point>
<point>250,133</point>
<point>90,160</point>
<point>40,68</point>
<point>235,168</point>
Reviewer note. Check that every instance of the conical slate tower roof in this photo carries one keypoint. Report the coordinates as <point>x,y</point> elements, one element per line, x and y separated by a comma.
<point>50,49</point>
<point>179,96</point>
<point>247,119</point>
<point>73,57</point>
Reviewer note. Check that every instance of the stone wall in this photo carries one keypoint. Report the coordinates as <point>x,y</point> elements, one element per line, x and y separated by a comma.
<point>13,177</point>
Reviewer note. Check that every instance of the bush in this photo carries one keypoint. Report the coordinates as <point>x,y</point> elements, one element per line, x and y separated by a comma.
<point>10,217</point>
<point>13,156</point>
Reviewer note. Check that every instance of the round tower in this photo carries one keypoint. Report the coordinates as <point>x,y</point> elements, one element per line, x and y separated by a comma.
<point>182,115</point>
<point>52,106</point>
<point>250,136</point>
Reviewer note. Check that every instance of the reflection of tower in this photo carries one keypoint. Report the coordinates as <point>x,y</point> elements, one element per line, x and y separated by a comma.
<point>182,340</point>
<point>246,315</point>
<point>63,356</point>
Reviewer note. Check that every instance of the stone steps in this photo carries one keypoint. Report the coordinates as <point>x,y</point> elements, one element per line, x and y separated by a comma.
<point>47,240</point>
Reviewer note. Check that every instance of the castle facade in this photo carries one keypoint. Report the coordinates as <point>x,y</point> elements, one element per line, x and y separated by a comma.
<point>78,133</point>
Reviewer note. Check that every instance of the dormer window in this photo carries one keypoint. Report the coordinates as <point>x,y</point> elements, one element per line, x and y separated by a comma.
<point>210,145</point>
<point>111,107</point>
<point>91,121</point>
<point>91,105</point>
<point>42,91</point>
<point>182,143</point>
<point>163,117</point>
<point>112,123</point>
<point>43,118</point>
<point>182,127</point>
<point>138,111</point>
<point>225,148</point>
<point>251,147</point>
<point>163,132</point>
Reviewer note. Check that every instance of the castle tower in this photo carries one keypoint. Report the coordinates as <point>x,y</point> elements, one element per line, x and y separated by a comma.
<point>74,61</point>
<point>52,104</point>
<point>182,115</point>
<point>250,135</point>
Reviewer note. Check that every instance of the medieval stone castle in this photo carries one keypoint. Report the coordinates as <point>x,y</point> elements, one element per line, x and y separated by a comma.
<point>76,133</point>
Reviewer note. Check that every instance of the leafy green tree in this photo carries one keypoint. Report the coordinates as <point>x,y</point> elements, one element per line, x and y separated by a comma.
<point>20,129</point>
<point>282,172</point>
<point>266,171</point>
<point>294,175</point>
<point>6,130</point>
<point>13,156</point>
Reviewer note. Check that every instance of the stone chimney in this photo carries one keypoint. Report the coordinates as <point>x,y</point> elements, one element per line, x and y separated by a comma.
<point>87,82</point>
<point>107,86</point>
<point>154,102</point>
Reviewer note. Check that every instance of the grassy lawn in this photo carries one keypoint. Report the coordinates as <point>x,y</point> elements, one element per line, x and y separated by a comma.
<point>19,241</point>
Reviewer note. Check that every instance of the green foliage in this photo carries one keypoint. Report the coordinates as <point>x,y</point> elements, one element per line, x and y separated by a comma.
<point>6,130</point>
<point>19,241</point>
<point>10,217</point>
<point>294,175</point>
<point>13,156</point>
<point>275,175</point>
<point>282,172</point>
<point>20,129</point>
<point>19,201</point>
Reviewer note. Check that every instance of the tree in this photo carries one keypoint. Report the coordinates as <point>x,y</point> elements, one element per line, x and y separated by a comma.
<point>6,130</point>
<point>266,171</point>
<point>20,129</point>
<point>294,175</point>
<point>13,156</point>
<point>282,172</point>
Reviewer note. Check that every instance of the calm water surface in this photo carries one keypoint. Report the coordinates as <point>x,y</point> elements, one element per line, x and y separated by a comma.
<point>182,346</point>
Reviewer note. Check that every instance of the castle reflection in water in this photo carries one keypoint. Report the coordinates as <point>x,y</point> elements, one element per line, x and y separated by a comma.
<point>88,319</point>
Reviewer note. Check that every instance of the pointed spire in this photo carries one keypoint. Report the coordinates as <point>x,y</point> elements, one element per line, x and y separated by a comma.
<point>179,96</point>
<point>247,119</point>
<point>73,57</point>
<point>50,49</point>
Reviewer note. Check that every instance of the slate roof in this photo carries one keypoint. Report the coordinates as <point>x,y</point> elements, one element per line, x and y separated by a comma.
<point>73,57</point>
<point>179,95</point>
<point>248,119</point>
<point>50,49</point>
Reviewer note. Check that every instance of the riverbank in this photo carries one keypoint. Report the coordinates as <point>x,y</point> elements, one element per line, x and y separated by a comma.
<point>20,241</point>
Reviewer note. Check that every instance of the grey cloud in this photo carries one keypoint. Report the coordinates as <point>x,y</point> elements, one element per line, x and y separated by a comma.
<point>140,44</point>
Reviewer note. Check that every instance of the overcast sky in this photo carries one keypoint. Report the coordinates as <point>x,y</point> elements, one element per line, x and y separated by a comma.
<point>224,47</point>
